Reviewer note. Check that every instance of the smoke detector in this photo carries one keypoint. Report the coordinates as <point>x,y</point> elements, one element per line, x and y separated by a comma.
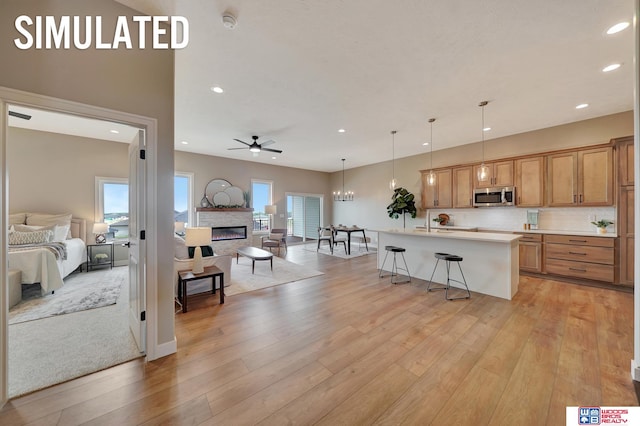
<point>229,21</point>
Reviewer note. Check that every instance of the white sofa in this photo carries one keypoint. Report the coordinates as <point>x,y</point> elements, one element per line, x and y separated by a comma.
<point>181,262</point>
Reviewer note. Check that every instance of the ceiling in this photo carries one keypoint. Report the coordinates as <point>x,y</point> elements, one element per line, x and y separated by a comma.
<point>296,71</point>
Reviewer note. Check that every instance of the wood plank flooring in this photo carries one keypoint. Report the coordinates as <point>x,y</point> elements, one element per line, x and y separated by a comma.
<point>349,348</point>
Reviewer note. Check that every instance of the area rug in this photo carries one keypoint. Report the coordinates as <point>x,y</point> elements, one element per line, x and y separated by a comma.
<point>338,251</point>
<point>242,280</point>
<point>81,291</point>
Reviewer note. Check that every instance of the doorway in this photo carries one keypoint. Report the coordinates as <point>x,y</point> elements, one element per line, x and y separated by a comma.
<point>304,215</point>
<point>14,100</point>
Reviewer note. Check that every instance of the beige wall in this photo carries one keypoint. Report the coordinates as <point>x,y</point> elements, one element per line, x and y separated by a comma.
<point>240,173</point>
<point>371,183</point>
<point>135,81</point>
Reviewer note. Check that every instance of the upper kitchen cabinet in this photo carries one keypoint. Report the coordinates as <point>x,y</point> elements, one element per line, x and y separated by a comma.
<point>463,187</point>
<point>438,195</point>
<point>530,181</point>
<point>580,178</point>
<point>500,174</point>
<point>625,160</point>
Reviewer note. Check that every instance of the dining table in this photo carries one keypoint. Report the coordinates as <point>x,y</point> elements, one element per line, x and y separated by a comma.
<point>350,230</point>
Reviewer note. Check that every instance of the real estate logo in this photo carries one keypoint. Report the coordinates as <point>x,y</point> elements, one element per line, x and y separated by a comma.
<point>589,415</point>
<point>66,32</point>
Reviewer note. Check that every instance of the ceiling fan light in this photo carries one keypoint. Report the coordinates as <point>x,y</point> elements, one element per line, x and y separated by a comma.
<point>254,149</point>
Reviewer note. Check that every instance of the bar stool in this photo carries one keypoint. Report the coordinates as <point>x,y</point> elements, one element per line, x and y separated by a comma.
<point>394,268</point>
<point>448,258</point>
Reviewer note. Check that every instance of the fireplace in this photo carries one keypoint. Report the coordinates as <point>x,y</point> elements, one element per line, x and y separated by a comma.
<point>224,233</point>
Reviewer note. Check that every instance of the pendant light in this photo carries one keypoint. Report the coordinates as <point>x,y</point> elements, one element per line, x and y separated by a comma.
<point>431,177</point>
<point>483,171</point>
<point>344,195</point>
<point>393,183</point>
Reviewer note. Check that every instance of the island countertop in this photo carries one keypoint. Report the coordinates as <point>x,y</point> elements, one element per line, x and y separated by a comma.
<point>460,235</point>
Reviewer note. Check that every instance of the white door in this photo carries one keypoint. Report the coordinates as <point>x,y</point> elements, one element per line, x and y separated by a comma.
<point>137,279</point>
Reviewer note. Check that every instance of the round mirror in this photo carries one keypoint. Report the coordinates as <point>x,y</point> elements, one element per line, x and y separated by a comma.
<point>215,186</point>
<point>236,196</point>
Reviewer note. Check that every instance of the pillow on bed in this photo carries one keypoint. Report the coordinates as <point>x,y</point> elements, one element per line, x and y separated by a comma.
<point>59,232</point>
<point>43,219</point>
<point>33,237</point>
<point>16,218</point>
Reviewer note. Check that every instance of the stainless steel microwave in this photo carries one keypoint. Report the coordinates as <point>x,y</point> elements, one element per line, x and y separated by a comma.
<point>494,197</point>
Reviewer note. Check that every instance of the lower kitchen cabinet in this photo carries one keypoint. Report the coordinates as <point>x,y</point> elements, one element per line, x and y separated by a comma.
<point>591,258</point>
<point>531,252</point>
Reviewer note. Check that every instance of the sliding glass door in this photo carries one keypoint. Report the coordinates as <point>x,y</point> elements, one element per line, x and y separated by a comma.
<point>304,215</point>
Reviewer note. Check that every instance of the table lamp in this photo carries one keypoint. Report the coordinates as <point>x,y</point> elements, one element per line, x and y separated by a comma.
<point>179,228</point>
<point>99,229</point>
<point>270,209</point>
<point>196,237</point>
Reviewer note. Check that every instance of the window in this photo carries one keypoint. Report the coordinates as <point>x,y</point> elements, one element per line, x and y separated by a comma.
<point>261,195</point>
<point>183,198</point>
<point>112,205</point>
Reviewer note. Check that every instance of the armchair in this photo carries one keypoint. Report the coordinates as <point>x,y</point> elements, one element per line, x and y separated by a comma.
<point>272,240</point>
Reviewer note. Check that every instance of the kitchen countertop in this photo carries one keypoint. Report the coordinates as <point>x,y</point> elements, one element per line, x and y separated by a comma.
<point>506,237</point>
<point>452,227</point>
<point>555,232</point>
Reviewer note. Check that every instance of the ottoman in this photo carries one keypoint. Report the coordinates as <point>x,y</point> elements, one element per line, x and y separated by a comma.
<point>15,287</point>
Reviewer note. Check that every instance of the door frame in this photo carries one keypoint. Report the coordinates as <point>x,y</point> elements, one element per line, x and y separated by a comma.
<point>304,195</point>
<point>17,97</point>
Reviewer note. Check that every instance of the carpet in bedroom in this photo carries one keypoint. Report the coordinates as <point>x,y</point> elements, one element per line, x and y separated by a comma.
<point>81,291</point>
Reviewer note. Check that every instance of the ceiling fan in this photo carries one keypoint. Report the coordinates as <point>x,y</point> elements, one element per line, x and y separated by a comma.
<point>257,147</point>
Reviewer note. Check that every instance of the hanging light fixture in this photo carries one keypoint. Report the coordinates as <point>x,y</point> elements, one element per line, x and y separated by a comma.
<point>431,177</point>
<point>393,183</point>
<point>483,171</point>
<point>344,195</point>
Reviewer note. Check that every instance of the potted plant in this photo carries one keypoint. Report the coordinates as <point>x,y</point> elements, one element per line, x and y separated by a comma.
<point>602,225</point>
<point>402,202</point>
<point>438,220</point>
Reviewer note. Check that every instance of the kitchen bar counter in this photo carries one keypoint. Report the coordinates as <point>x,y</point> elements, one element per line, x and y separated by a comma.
<point>490,262</point>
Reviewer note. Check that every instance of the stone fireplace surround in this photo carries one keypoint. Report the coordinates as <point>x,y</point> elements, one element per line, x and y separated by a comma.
<point>211,217</point>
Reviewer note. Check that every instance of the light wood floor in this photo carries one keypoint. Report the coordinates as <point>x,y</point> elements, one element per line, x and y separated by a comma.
<point>348,348</point>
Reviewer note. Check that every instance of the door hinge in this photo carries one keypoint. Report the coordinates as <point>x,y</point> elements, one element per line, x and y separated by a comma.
<point>143,315</point>
<point>143,154</point>
<point>143,235</point>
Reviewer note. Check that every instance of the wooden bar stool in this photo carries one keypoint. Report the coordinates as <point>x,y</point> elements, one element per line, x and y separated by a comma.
<point>394,267</point>
<point>448,258</point>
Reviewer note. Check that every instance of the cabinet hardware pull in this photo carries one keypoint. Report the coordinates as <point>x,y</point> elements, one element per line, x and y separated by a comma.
<point>577,270</point>
<point>578,241</point>
<point>581,254</point>
<point>580,198</point>
<point>574,198</point>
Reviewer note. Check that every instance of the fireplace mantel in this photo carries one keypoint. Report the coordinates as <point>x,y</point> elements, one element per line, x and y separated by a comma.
<point>216,209</point>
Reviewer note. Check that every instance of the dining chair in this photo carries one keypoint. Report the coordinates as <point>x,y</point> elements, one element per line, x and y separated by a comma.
<point>339,239</point>
<point>325,234</point>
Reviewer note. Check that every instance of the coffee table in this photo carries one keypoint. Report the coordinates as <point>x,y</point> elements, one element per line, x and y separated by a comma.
<point>254,254</point>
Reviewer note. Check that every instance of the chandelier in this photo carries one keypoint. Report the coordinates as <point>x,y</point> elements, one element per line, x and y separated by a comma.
<point>344,195</point>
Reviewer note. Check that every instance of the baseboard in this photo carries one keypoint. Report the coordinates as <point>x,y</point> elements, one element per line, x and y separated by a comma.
<point>164,349</point>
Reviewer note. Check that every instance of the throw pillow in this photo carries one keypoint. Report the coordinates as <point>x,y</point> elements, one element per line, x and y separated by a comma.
<point>33,237</point>
<point>16,218</point>
<point>43,219</point>
<point>181,251</point>
<point>59,232</point>
<point>207,251</point>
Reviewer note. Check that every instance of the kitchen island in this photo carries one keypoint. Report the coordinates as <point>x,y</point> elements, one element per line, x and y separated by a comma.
<point>490,263</point>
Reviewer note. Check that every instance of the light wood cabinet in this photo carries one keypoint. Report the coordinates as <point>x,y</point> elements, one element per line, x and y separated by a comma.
<point>530,247</point>
<point>440,194</point>
<point>591,258</point>
<point>580,178</point>
<point>500,174</point>
<point>463,187</point>
<point>626,198</point>
<point>530,181</point>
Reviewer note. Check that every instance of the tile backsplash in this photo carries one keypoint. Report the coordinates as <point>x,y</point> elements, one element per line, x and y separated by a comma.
<point>549,218</point>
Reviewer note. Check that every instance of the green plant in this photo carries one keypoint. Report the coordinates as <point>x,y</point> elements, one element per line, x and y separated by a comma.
<point>438,219</point>
<point>402,202</point>
<point>602,223</point>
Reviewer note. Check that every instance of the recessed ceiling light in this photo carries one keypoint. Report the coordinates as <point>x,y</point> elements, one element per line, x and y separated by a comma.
<point>425,144</point>
<point>611,67</point>
<point>486,129</point>
<point>114,131</point>
<point>582,106</point>
<point>184,143</point>
<point>617,28</point>
<point>273,158</point>
<point>217,89</point>
<point>341,130</point>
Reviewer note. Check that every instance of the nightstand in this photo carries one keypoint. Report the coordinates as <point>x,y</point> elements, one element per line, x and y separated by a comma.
<point>99,255</point>
<point>185,277</point>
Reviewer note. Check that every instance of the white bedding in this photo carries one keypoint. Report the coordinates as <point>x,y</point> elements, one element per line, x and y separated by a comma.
<point>41,266</point>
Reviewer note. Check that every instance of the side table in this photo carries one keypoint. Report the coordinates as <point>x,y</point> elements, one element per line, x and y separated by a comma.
<point>209,272</point>
<point>98,249</point>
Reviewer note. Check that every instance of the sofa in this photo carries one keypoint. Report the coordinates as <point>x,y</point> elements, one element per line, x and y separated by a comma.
<point>182,262</point>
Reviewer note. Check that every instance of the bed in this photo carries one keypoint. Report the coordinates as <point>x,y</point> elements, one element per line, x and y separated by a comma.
<point>49,263</point>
